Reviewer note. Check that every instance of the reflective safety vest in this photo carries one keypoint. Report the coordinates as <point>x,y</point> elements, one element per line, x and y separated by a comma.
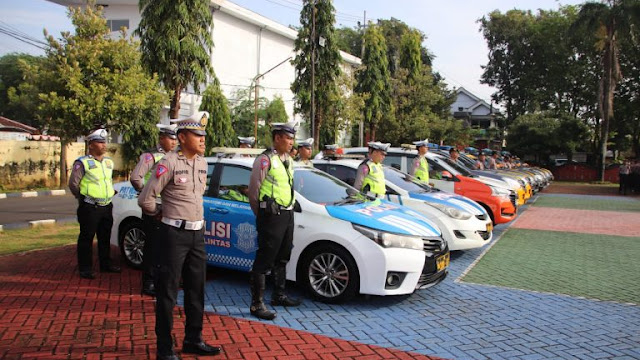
<point>97,182</point>
<point>375,179</point>
<point>422,172</point>
<point>234,195</point>
<point>278,184</point>
<point>157,156</point>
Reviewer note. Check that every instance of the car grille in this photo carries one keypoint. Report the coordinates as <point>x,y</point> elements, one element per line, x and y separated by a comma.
<point>482,217</point>
<point>433,244</point>
<point>484,234</point>
<point>429,280</point>
<point>513,198</point>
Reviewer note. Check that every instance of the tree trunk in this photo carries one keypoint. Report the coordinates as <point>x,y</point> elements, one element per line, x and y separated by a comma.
<point>174,110</point>
<point>611,75</point>
<point>63,163</point>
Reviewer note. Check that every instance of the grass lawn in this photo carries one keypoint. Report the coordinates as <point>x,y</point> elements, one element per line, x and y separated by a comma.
<point>582,203</point>
<point>601,267</point>
<point>13,241</point>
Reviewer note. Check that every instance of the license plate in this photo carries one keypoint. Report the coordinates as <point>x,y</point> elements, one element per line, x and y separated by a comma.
<point>442,262</point>
<point>489,226</point>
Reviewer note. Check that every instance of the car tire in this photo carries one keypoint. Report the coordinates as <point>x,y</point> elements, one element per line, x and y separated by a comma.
<point>488,209</point>
<point>131,241</point>
<point>329,273</point>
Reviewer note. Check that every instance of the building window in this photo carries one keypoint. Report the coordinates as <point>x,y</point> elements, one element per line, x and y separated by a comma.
<point>116,25</point>
<point>460,108</point>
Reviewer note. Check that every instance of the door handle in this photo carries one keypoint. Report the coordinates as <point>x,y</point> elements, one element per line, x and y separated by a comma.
<point>218,210</point>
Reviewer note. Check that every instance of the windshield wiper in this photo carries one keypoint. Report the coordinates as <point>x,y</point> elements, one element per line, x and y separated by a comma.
<point>348,200</point>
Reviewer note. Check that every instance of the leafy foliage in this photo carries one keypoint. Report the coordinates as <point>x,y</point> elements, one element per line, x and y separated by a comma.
<point>326,67</point>
<point>219,129</point>
<point>11,75</point>
<point>175,40</point>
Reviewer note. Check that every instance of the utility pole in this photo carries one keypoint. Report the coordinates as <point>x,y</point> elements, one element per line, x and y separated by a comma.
<point>361,127</point>
<point>256,82</point>
<point>313,72</point>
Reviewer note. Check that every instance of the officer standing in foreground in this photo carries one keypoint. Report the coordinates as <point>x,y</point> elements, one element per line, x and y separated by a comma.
<point>272,200</point>
<point>419,165</point>
<point>370,174</point>
<point>139,176</point>
<point>180,177</point>
<point>92,184</point>
<point>304,149</point>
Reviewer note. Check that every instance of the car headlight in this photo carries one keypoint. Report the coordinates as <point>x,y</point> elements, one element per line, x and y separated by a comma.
<point>496,191</point>
<point>450,211</point>
<point>389,240</point>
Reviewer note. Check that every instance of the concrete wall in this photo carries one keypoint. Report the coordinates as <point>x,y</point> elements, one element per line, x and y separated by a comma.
<point>31,164</point>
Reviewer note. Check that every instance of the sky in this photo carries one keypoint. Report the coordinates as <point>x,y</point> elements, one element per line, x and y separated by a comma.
<point>451,26</point>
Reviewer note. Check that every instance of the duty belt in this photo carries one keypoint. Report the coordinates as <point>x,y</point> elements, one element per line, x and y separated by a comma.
<point>97,201</point>
<point>183,224</point>
<point>263,205</point>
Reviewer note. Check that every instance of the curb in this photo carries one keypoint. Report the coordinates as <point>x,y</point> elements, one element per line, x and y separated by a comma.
<point>37,223</point>
<point>33,193</point>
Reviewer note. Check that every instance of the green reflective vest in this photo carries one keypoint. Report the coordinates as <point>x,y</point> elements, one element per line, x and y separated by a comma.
<point>234,195</point>
<point>97,182</point>
<point>375,179</point>
<point>422,172</point>
<point>157,156</point>
<point>278,184</point>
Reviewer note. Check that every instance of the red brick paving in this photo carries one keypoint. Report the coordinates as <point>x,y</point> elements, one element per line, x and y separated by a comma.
<point>583,189</point>
<point>580,221</point>
<point>48,312</point>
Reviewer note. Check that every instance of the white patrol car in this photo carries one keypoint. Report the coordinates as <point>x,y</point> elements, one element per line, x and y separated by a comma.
<point>344,243</point>
<point>464,223</point>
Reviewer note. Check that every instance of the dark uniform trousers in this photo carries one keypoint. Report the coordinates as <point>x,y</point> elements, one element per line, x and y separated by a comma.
<point>275,240</point>
<point>151,228</point>
<point>94,220</point>
<point>179,252</point>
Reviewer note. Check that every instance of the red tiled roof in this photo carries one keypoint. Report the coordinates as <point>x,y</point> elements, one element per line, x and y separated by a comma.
<point>4,122</point>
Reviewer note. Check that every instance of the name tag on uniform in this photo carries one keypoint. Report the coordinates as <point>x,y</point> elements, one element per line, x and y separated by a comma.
<point>275,165</point>
<point>183,180</point>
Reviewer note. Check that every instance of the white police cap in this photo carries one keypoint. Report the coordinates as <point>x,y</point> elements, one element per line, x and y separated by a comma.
<point>306,143</point>
<point>168,130</point>
<point>289,128</point>
<point>377,145</point>
<point>99,135</point>
<point>419,143</point>
<point>195,123</point>
<point>247,140</point>
<point>331,146</point>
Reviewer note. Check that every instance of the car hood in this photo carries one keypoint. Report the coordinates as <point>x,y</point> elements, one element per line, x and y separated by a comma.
<point>385,216</point>
<point>449,199</point>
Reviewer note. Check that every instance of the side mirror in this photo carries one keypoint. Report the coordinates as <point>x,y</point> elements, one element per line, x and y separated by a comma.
<point>297,207</point>
<point>447,175</point>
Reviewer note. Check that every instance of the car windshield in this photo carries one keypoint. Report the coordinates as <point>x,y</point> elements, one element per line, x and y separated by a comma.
<point>459,168</point>
<point>467,161</point>
<point>405,181</point>
<point>322,188</point>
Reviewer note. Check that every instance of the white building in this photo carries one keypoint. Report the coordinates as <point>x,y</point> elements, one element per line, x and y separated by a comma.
<point>478,115</point>
<point>246,44</point>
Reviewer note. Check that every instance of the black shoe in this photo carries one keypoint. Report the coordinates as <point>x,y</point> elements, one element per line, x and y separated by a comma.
<point>167,357</point>
<point>148,288</point>
<point>200,348</point>
<point>110,269</point>
<point>261,312</point>
<point>88,274</point>
<point>284,300</point>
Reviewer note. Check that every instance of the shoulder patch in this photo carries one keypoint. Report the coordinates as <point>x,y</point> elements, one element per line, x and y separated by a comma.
<point>364,170</point>
<point>77,166</point>
<point>161,170</point>
<point>264,163</point>
<point>148,157</point>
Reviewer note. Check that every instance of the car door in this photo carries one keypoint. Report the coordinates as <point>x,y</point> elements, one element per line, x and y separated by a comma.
<point>436,178</point>
<point>231,237</point>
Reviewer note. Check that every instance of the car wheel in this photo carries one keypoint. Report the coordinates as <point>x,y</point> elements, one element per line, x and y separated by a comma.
<point>329,273</point>
<point>488,209</point>
<point>131,241</point>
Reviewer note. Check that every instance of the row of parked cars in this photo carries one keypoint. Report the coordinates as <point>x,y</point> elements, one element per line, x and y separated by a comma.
<point>345,242</point>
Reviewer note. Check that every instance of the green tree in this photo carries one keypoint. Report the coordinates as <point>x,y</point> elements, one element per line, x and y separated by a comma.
<point>243,113</point>
<point>316,41</point>
<point>88,78</point>
<point>349,40</point>
<point>374,81</point>
<point>11,75</point>
<point>608,21</point>
<point>219,129</point>
<point>175,39</point>
<point>410,54</point>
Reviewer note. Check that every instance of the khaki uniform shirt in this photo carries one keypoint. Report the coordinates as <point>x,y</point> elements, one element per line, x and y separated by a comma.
<point>145,164</point>
<point>259,171</point>
<point>361,173</point>
<point>492,163</point>
<point>181,182</point>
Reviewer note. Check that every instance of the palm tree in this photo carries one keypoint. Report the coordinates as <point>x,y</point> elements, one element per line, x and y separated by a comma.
<point>606,20</point>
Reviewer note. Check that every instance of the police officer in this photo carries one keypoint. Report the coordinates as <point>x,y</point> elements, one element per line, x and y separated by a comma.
<point>92,184</point>
<point>139,176</point>
<point>370,174</point>
<point>272,200</point>
<point>419,165</point>
<point>304,150</point>
<point>480,163</point>
<point>492,163</point>
<point>329,150</point>
<point>180,178</point>
<point>246,142</point>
